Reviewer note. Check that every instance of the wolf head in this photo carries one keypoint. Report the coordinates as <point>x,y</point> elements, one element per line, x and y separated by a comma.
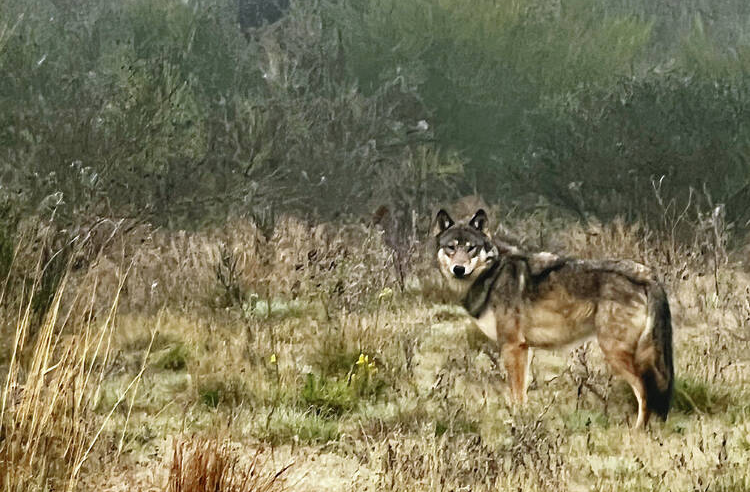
<point>464,251</point>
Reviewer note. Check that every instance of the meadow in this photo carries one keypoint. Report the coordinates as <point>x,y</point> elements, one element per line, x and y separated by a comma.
<point>173,361</point>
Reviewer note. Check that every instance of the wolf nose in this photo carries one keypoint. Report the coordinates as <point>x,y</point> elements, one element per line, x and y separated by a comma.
<point>459,271</point>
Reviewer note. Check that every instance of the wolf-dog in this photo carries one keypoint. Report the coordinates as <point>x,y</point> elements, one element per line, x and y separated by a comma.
<point>523,300</point>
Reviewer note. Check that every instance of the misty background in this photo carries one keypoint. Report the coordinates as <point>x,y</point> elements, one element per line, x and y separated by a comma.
<point>184,113</point>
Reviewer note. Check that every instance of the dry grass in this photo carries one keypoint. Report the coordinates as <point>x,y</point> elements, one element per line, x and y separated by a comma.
<point>300,347</point>
<point>208,465</point>
<point>47,428</point>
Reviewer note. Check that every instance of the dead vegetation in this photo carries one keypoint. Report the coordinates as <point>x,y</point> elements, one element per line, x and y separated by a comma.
<point>208,465</point>
<point>299,346</point>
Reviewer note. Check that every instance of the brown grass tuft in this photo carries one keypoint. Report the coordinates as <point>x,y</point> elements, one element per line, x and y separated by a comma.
<point>210,465</point>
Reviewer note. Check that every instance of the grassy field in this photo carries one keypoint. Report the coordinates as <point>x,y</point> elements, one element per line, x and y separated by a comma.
<point>169,322</point>
<point>226,359</point>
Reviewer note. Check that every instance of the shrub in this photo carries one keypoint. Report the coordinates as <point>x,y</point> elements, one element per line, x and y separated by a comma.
<point>668,133</point>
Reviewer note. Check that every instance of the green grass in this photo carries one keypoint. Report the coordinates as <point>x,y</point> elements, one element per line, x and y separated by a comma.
<point>695,396</point>
<point>174,358</point>
<point>583,420</point>
<point>231,392</point>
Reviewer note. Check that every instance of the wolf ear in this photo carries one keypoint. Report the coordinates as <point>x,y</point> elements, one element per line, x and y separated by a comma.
<point>479,221</point>
<point>442,222</point>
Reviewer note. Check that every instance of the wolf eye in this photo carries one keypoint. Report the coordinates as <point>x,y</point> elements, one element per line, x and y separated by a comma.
<point>472,249</point>
<point>450,249</point>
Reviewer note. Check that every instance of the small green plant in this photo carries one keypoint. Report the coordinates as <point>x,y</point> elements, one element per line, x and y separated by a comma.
<point>582,420</point>
<point>175,358</point>
<point>231,392</point>
<point>459,425</point>
<point>210,397</point>
<point>334,396</point>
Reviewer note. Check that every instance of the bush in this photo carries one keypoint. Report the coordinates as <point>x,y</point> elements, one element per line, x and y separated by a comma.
<point>605,153</point>
<point>580,102</point>
<point>481,65</point>
<point>164,110</point>
<point>167,110</point>
<point>333,396</point>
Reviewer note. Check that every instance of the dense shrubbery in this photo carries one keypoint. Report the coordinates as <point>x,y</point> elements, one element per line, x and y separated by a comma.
<point>584,103</point>
<point>168,109</point>
<point>646,140</point>
<point>165,109</point>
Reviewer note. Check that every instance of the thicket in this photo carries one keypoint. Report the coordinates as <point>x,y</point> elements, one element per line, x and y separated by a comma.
<point>167,110</point>
<point>173,112</point>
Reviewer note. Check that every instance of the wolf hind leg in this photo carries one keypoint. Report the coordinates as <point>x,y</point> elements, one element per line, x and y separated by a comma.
<point>516,360</point>
<point>622,362</point>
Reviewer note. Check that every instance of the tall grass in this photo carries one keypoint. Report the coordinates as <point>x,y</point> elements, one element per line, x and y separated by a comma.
<point>48,431</point>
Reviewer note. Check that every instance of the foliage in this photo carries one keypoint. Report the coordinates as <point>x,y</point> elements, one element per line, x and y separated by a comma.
<point>656,136</point>
<point>164,110</point>
<point>170,111</point>
<point>580,102</point>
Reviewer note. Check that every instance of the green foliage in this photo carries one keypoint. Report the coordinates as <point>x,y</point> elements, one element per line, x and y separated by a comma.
<point>583,420</point>
<point>175,358</point>
<point>164,109</point>
<point>580,102</point>
<point>457,425</point>
<point>688,130</point>
<point>210,396</point>
<point>333,396</point>
<point>482,65</point>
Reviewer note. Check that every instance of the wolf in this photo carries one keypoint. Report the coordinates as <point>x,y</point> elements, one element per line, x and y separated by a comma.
<point>526,300</point>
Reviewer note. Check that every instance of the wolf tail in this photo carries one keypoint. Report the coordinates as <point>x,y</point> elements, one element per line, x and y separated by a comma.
<point>654,352</point>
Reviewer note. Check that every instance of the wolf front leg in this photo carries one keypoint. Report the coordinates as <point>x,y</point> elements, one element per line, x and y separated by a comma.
<point>516,359</point>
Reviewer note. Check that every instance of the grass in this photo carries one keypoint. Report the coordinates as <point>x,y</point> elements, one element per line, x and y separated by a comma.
<point>693,396</point>
<point>358,389</point>
<point>206,465</point>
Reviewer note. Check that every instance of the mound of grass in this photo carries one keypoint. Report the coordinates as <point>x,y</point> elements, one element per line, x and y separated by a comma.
<point>232,392</point>
<point>175,358</point>
<point>334,395</point>
<point>292,425</point>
